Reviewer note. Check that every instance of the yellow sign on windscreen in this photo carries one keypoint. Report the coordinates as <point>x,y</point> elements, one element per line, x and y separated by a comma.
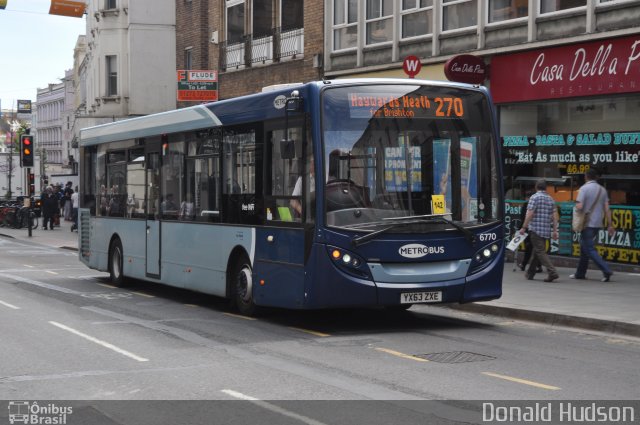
<point>437,204</point>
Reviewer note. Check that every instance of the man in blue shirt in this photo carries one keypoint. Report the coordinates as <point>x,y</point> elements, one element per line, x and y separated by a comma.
<point>541,216</point>
<point>593,199</point>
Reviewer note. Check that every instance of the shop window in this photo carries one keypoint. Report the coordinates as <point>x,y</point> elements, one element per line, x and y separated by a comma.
<point>458,14</point>
<point>550,6</point>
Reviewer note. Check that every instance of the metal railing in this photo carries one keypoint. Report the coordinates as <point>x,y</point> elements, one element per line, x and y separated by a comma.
<point>276,46</point>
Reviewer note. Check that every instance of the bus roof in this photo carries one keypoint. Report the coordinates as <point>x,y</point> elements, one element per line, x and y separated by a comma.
<point>253,107</point>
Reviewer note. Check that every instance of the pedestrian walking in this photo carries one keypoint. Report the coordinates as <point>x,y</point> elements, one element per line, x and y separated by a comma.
<point>50,208</point>
<point>593,200</point>
<point>528,246</point>
<point>540,219</point>
<point>75,205</point>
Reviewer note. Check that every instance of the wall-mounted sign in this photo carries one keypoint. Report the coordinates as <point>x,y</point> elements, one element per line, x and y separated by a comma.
<point>24,106</point>
<point>197,85</point>
<point>466,69</point>
<point>586,69</point>
<point>411,66</point>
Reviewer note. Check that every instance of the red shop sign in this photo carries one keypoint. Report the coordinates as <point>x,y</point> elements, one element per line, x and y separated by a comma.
<point>587,69</point>
<point>466,69</point>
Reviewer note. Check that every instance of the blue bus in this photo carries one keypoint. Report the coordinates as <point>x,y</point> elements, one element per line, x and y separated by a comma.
<point>343,193</point>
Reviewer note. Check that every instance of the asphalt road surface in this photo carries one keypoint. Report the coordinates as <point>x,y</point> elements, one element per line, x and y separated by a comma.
<point>67,334</point>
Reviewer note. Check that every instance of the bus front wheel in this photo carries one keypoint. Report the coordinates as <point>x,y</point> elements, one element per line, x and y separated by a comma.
<point>115,263</point>
<point>242,276</point>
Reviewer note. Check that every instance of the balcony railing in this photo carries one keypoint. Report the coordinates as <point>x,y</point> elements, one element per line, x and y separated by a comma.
<point>251,51</point>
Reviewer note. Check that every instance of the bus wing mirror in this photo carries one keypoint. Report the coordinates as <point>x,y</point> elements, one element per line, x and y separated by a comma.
<point>287,149</point>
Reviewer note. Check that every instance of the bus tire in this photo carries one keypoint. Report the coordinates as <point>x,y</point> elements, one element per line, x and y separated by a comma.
<point>116,256</point>
<point>242,286</point>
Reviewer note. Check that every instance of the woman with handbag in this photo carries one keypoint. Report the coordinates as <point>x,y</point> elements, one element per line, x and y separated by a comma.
<point>593,202</point>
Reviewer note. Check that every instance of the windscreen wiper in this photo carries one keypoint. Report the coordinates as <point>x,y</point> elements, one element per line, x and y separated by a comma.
<point>414,219</point>
<point>366,238</point>
<point>442,217</point>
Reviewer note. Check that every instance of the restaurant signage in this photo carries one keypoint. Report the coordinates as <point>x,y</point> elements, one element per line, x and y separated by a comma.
<point>600,67</point>
<point>466,69</point>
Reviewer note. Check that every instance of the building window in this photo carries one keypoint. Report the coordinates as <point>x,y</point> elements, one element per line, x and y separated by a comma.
<point>345,24</point>
<point>110,4</point>
<point>292,14</point>
<point>550,6</point>
<point>379,21</point>
<point>112,75</point>
<point>188,58</point>
<point>459,14</point>
<point>262,17</point>
<point>502,10</point>
<point>417,18</point>
<point>235,21</point>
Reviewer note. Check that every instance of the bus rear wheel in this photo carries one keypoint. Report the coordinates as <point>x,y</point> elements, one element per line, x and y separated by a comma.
<point>115,263</point>
<point>242,281</point>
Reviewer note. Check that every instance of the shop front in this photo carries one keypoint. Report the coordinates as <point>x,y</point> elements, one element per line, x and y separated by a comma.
<point>562,111</point>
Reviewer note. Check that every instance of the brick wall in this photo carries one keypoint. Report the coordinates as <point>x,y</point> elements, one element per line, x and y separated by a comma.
<point>192,29</point>
<point>241,82</point>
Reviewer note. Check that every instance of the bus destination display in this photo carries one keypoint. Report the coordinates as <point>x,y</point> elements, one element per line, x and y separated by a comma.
<point>382,105</point>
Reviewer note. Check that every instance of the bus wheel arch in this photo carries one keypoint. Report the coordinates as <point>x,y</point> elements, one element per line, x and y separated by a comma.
<point>240,282</point>
<point>116,262</point>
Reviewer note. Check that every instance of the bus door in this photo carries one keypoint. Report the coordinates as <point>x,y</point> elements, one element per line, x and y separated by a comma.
<point>153,214</point>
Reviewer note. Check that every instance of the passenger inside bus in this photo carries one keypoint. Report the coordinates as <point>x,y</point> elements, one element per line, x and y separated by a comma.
<point>296,204</point>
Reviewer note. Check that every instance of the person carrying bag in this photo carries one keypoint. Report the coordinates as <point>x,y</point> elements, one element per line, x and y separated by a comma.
<point>580,217</point>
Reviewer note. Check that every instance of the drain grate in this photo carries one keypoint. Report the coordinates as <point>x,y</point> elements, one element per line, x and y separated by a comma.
<point>455,357</point>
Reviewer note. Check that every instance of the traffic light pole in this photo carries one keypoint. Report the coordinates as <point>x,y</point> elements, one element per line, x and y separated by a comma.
<point>29,194</point>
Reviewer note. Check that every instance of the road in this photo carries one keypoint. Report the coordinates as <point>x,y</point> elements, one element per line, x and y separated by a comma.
<point>67,334</point>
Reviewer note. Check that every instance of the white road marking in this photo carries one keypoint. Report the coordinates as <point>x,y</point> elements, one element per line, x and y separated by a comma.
<point>273,408</point>
<point>100,342</point>
<point>9,305</point>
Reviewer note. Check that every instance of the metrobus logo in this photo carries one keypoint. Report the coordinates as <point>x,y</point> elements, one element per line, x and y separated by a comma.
<point>416,250</point>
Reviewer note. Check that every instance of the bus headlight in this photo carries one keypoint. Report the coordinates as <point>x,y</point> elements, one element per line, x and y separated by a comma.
<point>349,262</point>
<point>483,257</point>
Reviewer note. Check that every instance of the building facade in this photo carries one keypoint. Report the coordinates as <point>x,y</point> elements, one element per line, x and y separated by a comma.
<point>564,74</point>
<point>129,67</point>
<point>50,106</point>
<point>251,43</point>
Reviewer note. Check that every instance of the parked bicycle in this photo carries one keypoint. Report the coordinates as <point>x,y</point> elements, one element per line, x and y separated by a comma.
<point>16,216</point>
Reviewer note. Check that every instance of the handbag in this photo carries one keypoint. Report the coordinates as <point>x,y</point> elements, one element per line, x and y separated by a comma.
<point>580,218</point>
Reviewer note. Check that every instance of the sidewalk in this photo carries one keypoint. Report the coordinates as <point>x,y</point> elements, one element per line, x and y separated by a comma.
<point>61,237</point>
<point>589,304</point>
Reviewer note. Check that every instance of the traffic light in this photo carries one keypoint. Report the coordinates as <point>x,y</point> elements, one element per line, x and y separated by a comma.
<point>32,184</point>
<point>26,150</point>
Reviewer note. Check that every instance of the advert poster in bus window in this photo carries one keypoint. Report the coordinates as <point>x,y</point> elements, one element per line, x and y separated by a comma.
<point>441,172</point>
<point>395,169</point>
<point>469,184</point>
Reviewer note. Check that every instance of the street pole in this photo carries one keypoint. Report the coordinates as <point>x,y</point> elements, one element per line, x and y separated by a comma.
<point>28,200</point>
